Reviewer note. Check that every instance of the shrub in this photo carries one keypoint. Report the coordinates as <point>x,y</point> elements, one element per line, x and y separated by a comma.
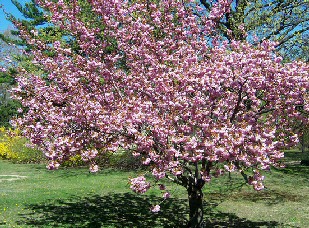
<point>14,147</point>
<point>75,161</point>
<point>121,160</point>
<point>4,150</point>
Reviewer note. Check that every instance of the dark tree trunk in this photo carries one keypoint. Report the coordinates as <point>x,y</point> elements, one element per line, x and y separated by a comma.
<point>196,208</point>
<point>303,143</point>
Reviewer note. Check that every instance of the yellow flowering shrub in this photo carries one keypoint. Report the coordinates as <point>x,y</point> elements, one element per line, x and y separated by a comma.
<point>74,161</point>
<point>13,147</point>
<point>4,150</point>
<point>2,130</point>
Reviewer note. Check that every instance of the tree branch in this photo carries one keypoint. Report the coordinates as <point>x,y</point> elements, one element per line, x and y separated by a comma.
<point>236,109</point>
<point>205,4</point>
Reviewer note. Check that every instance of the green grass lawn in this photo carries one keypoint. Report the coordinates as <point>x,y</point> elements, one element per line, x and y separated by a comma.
<point>31,196</point>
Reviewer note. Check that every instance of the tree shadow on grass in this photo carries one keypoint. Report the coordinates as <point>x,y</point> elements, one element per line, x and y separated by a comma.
<point>297,170</point>
<point>126,210</point>
<point>268,197</point>
<point>296,163</point>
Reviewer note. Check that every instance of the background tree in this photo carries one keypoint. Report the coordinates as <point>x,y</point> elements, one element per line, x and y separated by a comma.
<point>148,81</point>
<point>284,21</point>
<point>12,56</point>
<point>8,107</point>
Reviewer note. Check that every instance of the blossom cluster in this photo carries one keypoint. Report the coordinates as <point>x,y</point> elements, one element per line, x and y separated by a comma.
<point>139,184</point>
<point>256,180</point>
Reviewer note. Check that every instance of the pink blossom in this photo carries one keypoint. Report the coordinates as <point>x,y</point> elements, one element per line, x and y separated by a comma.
<point>166,195</point>
<point>230,167</point>
<point>158,174</point>
<point>206,178</point>
<point>218,172</point>
<point>155,209</point>
<point>93,168</point>
<point>53,165</point>
<point>139,184</point>
<point>162,186</point>
<point>257,176</point>
<point>147,161</point>
<point>258,186</point>
<point>35,32</point>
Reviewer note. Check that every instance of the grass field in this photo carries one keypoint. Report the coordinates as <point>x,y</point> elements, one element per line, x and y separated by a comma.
<point>31,196</point>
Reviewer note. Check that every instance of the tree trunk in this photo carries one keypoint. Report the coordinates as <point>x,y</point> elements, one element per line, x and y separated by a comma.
<point>196,208</point>
<point>303,143</point>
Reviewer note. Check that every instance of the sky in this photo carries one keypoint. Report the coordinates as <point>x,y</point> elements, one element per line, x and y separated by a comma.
<point>9,8</point>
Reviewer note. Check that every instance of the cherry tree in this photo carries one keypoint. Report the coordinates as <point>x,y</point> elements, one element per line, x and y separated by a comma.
<point>155,80</point>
